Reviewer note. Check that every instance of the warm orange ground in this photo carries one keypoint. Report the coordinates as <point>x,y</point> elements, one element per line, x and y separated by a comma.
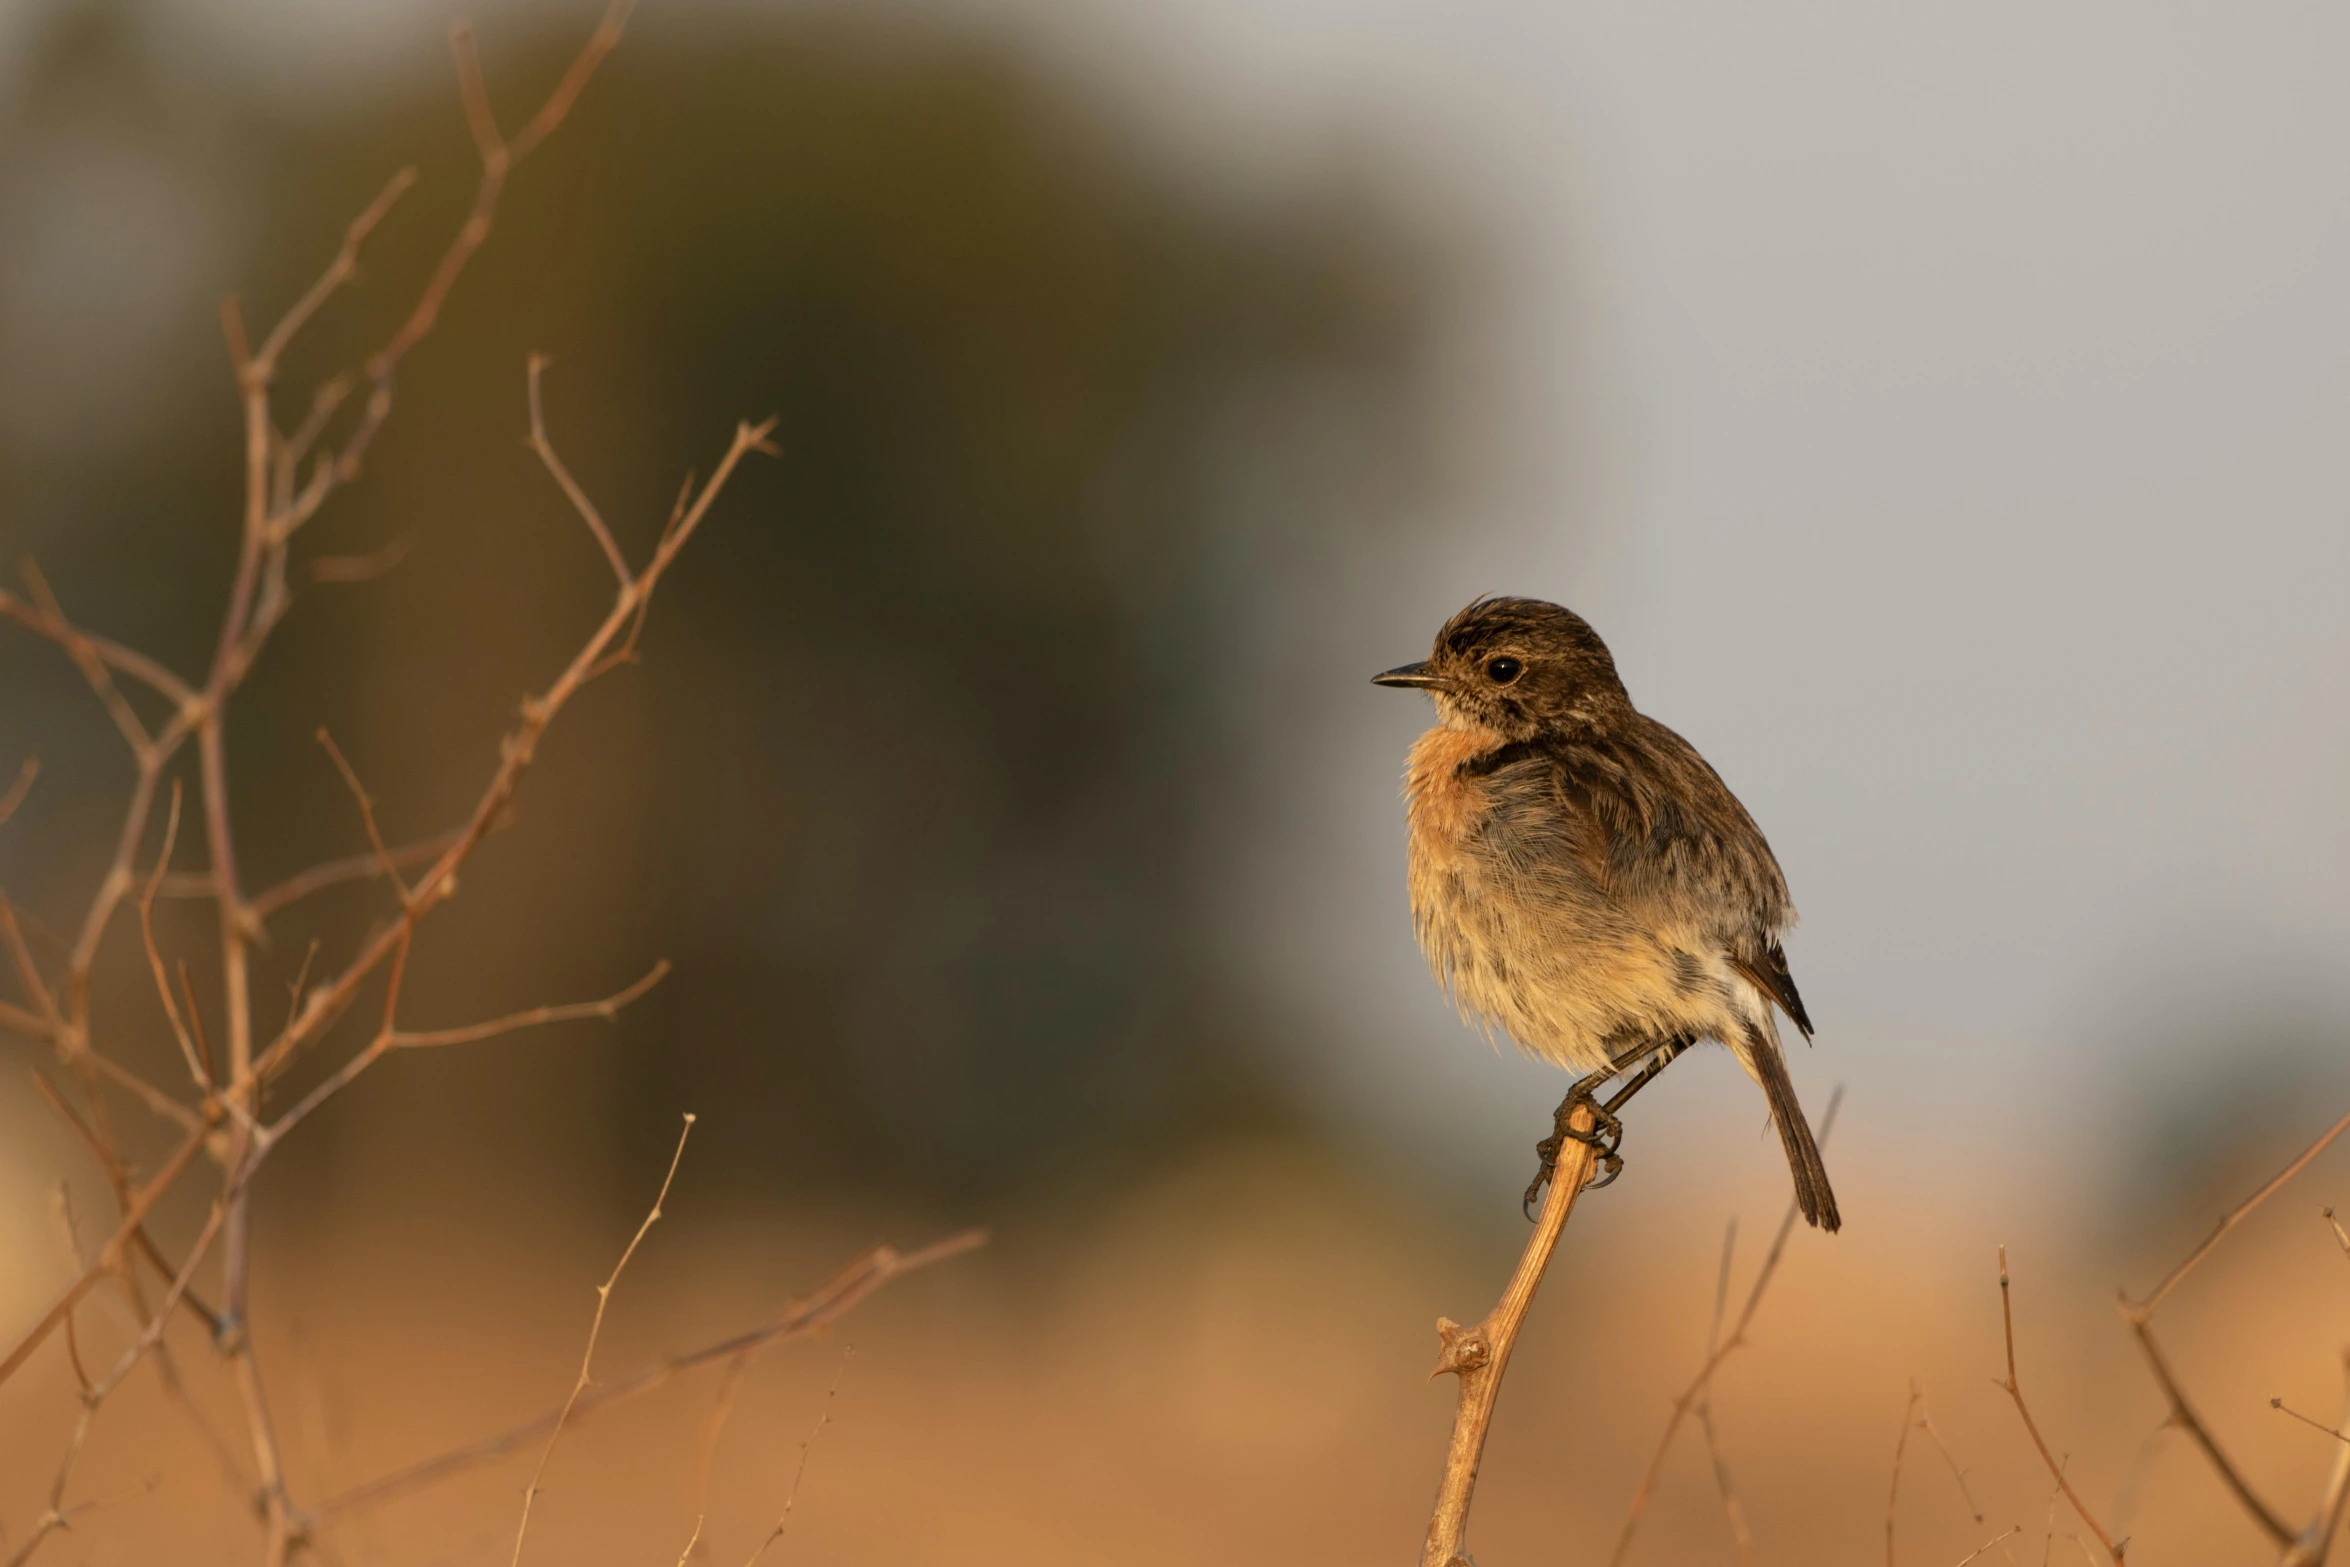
<point>1227,1366</point>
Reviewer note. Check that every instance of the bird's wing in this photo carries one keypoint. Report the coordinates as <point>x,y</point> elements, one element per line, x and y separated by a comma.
<point>1639,819</point>
<point>1770,976</point>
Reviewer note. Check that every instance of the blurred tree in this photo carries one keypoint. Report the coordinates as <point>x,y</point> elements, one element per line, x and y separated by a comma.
<point>912,784</point>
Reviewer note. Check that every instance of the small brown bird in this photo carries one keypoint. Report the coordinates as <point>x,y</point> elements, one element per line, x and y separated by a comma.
<point>1584,881</point>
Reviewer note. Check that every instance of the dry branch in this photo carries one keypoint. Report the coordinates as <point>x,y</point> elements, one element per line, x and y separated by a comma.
<point>1996,1539</point>
<point>799,1471</point>
<point>1687,1403</point>
<point>587,1358</point>
<point>2236,1216</point>
<point>1478,1355</point>
<point>1900,1448</point>
<point>2015,1391</point>
<point>2295,1544</point>
<point>26,772</point>
<point>225,1119</point>
<point>830,1301</point>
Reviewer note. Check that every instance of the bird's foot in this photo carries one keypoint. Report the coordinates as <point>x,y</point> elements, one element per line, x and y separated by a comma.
<point>1605,1138</point>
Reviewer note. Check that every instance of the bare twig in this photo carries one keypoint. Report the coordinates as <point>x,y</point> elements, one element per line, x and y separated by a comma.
<point>57,1516</point>
<point>606,1009</point>
<point>2139,1317</point>
<point>2340,1234</point>
<point>799,1472</point>
<point>1479,1354</point>
<point>197,1072</point>
<point>1735,1511</point>
<point>82,644</point>
<point>713,1427</point>
<point>1685,1405</point>
<point>2016,1392</point>
<point>345,569</point>
<point>588,1358</point>
<point>580,503</point>
<point>326,1003</point>
<point>109,1256</point>
<point>1900,1447</point>
<point>1957,1475</point>
<point>1987,1544</point>
<point>830,1301</point>
<point>2184,1416</point>
<point>388,1039</point>
<point>119,1178</point>
<point>339,271</point>
<point>498,159</point>
<point>356,867</point>
<point>2282,1407</point>
<point>385,865</point>
<point>25,774</point>
<point>2313,1544</point>
<point>2148,1306</point>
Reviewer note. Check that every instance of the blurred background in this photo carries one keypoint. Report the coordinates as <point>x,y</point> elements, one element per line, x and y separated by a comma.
<point>1938,410</point>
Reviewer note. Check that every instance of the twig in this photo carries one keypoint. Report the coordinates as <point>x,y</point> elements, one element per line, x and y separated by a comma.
<point>118,1177</point>
<point>595,1329</point>
<point>1740,1534</point>
<point>713,1427</point>
<point>2016,1392</point>
<point>1987,1544</point>
<point>2184,1416</point>
<point>339,271</point>
<point>2242,1210</point>
<point>1480,1353</point>
<point>388,1039</point>
<point>2282,1407</point>
<point>356,867</point>
<point>25,774</point>
<point>2340,1234</point>
<point>179,1028</point>
<point>2139,1317</point>
<point>830,1301</point>
<point>691,1541</point>
<point>325,1004</point>
<point>1900,1447</point>
<point>538,442</point>
<point>1957,1475</point>
<point>498,159</point>
<point>108,1256</point>
<point>57,1516</point>
<point>81,644</point>
<point>1686,1404</point>
<point>791,1497</point>
<point>2311,1547</point>
<point>384,863</point>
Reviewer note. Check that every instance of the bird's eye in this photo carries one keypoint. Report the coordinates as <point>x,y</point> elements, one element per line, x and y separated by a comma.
<point>1502,671</point>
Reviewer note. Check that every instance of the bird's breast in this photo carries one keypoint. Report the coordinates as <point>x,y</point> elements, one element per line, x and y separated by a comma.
<point>1446,802</point>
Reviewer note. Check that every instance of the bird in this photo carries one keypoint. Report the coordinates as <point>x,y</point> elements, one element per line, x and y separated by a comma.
<point>1583,881</point>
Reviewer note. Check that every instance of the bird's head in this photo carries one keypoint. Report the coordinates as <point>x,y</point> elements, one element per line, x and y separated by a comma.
<point>1518,667</point>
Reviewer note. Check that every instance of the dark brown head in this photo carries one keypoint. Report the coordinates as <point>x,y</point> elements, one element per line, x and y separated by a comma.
<point>1519,667</point>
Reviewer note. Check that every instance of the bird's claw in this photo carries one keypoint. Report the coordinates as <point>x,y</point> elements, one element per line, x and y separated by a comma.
<point>1605,1139</point>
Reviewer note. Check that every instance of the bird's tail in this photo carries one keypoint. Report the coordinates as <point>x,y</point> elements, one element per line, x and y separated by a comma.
<point>1768,1067</point>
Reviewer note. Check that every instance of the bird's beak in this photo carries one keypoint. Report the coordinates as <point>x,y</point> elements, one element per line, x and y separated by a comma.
<point>1419,675</point>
